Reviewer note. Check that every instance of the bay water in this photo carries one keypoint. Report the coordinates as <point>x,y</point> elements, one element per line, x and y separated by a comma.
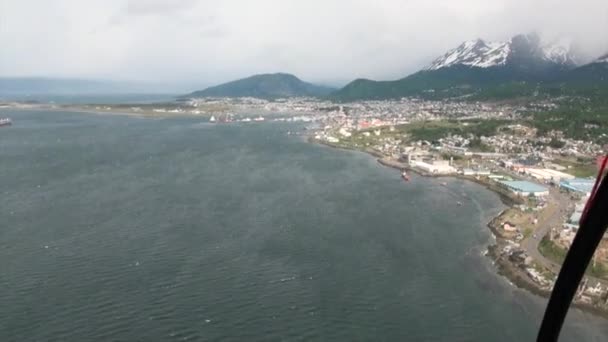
<point>135,229</point>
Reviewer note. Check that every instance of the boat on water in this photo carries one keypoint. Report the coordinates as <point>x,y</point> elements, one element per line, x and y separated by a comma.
<point>5,122</point>
<point>212,118</point>
<point>459,203</point>
<point>444,184</point>
<point>405,176</point>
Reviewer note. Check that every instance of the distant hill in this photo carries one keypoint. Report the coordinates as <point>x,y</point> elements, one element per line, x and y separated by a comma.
<point>487,69</point>
<point>449,81</point>
<point>265,86</point>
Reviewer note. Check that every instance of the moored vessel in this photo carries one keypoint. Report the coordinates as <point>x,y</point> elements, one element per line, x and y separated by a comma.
<point>5,122</point>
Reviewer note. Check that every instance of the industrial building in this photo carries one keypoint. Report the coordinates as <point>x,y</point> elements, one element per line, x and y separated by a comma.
<point>525,188</point>
<point>580,185</point>
<point>473,172</point>
<point>548,175</point>
<point>437,167</point>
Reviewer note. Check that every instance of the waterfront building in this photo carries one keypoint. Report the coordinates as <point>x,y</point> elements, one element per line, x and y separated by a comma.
<point>525,188</point>
<point>580,185</point>
<point>473,172</point>
<point>436,167</point>
<point>548,175</point>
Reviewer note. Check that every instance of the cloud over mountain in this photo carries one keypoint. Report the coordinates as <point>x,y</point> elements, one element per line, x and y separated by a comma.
<point>322,41</point>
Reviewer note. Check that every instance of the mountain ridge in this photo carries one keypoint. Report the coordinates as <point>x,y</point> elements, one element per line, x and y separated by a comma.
<point>476,65</point>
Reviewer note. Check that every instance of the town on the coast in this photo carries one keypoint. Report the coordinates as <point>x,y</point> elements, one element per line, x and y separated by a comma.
<point>545,178</point>
<point>538,144</point>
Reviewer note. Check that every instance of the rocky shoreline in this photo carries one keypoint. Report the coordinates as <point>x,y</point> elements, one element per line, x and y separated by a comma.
<point>512,271</point>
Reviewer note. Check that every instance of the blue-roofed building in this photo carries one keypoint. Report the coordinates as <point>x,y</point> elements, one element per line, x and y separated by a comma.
<point>580,185</point>
<point>525,188</point>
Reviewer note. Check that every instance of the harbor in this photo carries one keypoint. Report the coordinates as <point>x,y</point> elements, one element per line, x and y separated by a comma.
<point>518,248</point>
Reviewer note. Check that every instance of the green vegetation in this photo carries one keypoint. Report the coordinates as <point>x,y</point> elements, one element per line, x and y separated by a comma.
<point>578,118</point>
<point>557,253</point>
<point>543,271</point>
<point>581,115</point>
<point>579,167</point>
<point>476,145</point>
<point>504,91</point>
<point>582,112</point>
<point>479,84</point>
<point>556,143</point>
<point>584,171</point>
<point>598,270</point>
<point>457,81</point>
<point>430,131</point>
<point>552,251</point>
<point>453,156</point>
<point>582,94</point>
<point>527,232</point>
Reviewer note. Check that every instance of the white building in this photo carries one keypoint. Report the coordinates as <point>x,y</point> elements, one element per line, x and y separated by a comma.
<point>547,175</point>
<point>437,167</point>
<point>344,132</point>
<point>471,172</point>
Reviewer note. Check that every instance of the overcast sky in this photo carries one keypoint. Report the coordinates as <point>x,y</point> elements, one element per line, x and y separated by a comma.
<point>205,42</point>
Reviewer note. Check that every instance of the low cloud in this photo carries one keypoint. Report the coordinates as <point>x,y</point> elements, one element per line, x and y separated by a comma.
<point>205,42</point>
<point>160,7</point>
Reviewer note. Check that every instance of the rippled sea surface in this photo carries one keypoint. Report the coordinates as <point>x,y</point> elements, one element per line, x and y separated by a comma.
<point>129,229</point>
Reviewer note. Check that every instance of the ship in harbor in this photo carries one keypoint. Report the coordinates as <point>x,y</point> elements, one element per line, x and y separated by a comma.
<point>5,122</point>
<point>405,176</point>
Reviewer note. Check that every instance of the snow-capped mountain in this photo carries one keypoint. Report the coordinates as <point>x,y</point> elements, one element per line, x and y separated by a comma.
<point>474,53</point>
<point>521,48</point>
<point>516,68</point>
<point>560,52</point>
<point>602,59</point>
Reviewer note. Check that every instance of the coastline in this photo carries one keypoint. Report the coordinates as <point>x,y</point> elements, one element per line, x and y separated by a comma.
<point>152,111</point>
<point>88,110</point>
<point>513,272</point>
